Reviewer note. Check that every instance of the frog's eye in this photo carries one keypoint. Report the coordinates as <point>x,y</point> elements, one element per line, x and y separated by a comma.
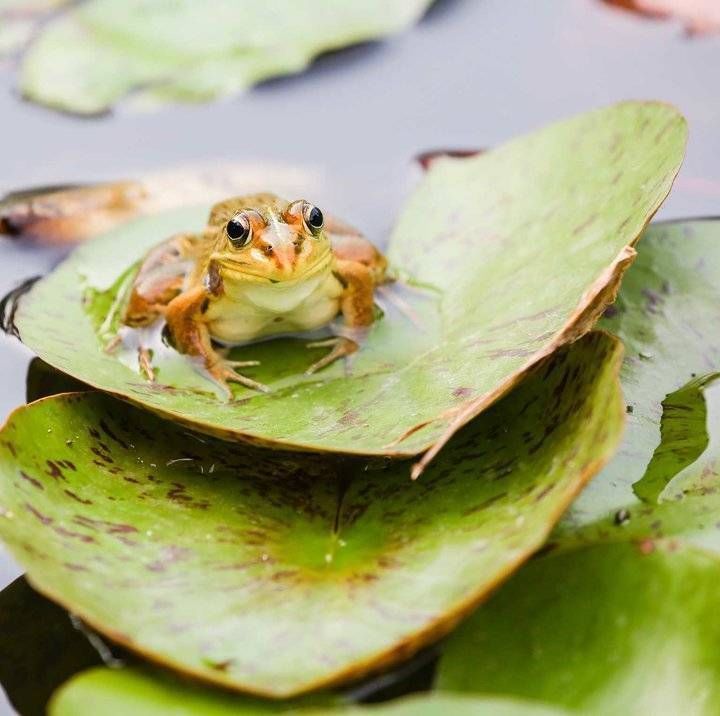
<point>314,218</point>
<point>239,230</point>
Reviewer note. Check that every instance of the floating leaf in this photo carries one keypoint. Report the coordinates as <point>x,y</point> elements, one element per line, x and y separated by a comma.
<point>511,254</point>
<point>668,317</point>
<point>605,630</point>
<point>277,573</point>
<point>66,215</point>
<point>621,616</point>
<point>19,19</point>
<point>699,16</point>
<point>119,692</point>
<point>180,50</point>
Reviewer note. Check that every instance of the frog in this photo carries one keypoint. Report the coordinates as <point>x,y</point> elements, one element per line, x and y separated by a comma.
<point>262,267</point>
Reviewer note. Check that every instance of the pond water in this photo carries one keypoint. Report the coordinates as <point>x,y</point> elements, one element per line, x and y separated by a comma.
<point>472,74</point>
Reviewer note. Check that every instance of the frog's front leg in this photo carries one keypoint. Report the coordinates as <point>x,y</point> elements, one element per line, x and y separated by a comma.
<point>357,308</point>
<point>191,336</point>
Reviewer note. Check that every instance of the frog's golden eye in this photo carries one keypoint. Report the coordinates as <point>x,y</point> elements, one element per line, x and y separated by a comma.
<point>313,218</point>
<point>239,230</point>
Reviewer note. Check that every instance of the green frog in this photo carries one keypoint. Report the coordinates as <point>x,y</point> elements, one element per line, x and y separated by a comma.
<point>263,266</point>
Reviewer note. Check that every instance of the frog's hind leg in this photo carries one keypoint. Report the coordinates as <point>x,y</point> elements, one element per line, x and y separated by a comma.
<point>159,280</point>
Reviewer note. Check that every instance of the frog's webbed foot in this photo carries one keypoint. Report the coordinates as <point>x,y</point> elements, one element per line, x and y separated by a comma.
<point>341,347</point>
<point>223,372</point>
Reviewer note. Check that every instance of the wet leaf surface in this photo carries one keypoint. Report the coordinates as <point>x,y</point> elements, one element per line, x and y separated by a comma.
<point>278,573</point>
<point>40,648</point>
<point>534,236</point>
<point>699,16</point>
<point>99,51</point>
<point>143,693</point>
<point>621,616</point>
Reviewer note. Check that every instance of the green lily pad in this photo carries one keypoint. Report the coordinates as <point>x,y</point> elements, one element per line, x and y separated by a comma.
<point>621,616</point>
<point>99,51</point>
<point>119,692</point>
<point>278,573</point>
<point>510,255</point>
<point>605,630</point>
<point>668,317</point>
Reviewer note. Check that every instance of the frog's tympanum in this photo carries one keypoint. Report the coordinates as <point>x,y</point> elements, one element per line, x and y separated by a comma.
<point>262,267</point>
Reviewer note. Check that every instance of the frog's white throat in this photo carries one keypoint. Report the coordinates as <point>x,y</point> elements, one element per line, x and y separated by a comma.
<point>281,297</point>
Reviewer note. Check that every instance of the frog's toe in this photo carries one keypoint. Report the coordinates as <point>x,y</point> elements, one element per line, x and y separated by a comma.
<point>341,348</point>
<point>113,344</point>
<point>241,363</point>
<point>224,373</point>
<point>145,363</point>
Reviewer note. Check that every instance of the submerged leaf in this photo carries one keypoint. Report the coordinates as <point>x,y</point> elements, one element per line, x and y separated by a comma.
<point>621,616</point>
<point>510,255</point>
<point>142,693</point>
<point>101,50</point>
<point>276,574</point>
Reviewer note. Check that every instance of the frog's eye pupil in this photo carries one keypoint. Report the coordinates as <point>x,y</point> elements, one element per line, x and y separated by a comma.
<point>238,230</point>
<point>314,218</point>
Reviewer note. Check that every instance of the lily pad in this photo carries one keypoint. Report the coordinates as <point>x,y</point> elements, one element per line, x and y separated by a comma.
<point>508,255</point>
<point>621,616</point>
<point>668,317</point>
<point>101,50</point>
<point>277,574</point>
<point>604,630</point>
<point>70,214</point>
<point>19,20</point>
<point>119,692</point>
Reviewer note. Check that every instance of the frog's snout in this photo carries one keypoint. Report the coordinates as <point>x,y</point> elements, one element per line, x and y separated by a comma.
<point>279,246</point>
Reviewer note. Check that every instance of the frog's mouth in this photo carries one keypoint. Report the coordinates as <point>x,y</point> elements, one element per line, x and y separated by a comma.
<point>237,270</point>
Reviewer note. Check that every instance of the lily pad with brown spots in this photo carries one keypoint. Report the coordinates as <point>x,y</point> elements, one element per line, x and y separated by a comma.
<point>507,255</point>
<point>668,317</point>
<point>621,616</point>
<point>280,573</point>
